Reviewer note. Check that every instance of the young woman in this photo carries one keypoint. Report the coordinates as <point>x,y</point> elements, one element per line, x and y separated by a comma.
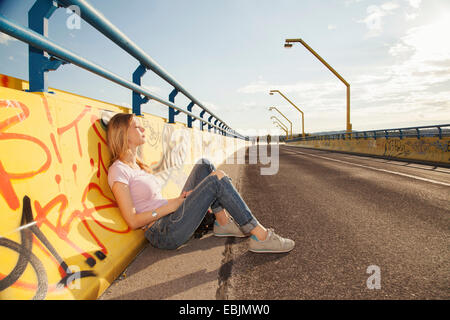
<point>169,223</point>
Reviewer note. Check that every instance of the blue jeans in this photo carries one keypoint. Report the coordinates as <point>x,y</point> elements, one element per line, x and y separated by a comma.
<point>175,229</point>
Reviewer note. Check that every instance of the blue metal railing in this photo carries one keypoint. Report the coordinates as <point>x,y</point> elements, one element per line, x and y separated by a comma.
<point>441,130</point>
<point>39,64</point>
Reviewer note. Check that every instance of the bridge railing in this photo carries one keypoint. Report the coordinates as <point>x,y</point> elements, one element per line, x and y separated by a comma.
<point>442,130</point>
<point>40,64</point>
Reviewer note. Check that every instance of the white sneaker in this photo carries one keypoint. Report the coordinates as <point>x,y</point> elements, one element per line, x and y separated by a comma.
<point>273,244</point>
<point>231,229</point>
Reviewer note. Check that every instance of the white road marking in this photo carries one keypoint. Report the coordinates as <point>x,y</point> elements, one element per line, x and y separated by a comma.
<point>377,169</point>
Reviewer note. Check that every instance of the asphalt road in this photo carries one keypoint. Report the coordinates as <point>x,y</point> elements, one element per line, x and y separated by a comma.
<point>345,213</point>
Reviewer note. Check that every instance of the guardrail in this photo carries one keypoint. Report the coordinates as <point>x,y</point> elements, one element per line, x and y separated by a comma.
<point>418,132</point>
<point>39,64</point>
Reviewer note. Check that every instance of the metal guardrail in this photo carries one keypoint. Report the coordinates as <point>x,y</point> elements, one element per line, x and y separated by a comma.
<point>441,130</point>
<point>39,64</point>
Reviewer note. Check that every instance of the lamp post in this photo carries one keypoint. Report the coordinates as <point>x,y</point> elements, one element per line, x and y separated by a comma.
<point>303,115</point>
<point>278,120</point>
<point>281,128</point>
<point>288,44</point>
<point>271,108</point>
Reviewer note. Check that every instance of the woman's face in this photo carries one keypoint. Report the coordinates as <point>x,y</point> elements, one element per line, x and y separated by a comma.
<point>136,135</point>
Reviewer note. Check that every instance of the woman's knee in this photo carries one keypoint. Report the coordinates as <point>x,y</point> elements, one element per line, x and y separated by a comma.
<point>219,173</point>
<point>205,163</point>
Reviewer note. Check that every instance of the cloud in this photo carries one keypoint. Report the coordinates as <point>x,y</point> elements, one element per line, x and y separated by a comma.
<point>331,27</point>
<point>417,82</point>
<point>389,6</point>
<point>350,2</point>
<point>375,14</point>
<point>411,90</point>
<point>212,106</point>
<point>424,45</point>
<point>411,16</point>
<point>415,3</point>
<point>5,39</point>
<point>399,49</point>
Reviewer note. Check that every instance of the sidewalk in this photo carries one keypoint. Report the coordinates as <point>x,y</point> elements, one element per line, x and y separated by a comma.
<point>194,271</point>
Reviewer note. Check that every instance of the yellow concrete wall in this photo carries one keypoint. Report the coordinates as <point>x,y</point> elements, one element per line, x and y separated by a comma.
<point>61,233</point>
<point>430,149</point>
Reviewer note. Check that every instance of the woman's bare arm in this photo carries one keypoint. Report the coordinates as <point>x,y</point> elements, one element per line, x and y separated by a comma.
<point>135,221</point>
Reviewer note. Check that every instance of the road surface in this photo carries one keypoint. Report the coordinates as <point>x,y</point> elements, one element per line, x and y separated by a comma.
<point>365,228</point>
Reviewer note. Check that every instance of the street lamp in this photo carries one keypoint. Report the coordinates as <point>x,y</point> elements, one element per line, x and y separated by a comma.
<point>288,44</point>
<point>278,120</point>
<point>281,128</point>
<point>303,115</point>
<point>271,108</point>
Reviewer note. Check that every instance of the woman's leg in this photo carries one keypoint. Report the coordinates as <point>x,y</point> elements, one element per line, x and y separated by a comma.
<point>200,171</point>
<point>175,229</point>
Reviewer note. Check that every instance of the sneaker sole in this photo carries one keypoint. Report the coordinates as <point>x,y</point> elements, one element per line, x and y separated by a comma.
<point>229,235</point>
<point>269,251</point>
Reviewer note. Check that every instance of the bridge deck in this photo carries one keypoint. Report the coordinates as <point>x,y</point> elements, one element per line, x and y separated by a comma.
<point>345,213</point>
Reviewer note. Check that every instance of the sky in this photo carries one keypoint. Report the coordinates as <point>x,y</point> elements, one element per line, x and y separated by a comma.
<point>229,54</point>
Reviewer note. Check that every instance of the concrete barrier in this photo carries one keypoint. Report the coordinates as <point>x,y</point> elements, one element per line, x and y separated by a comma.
<point>426,149</point>
<point>61,233</point>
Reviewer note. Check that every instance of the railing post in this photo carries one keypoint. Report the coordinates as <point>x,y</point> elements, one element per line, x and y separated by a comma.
<point>201,122</point>
<point>440,132</point>
<point>172,111</point>
<point>215,128</point>
<point>189,118</point>
<point>209,126</point>
<point>136,97</point>
<point>38,61</point>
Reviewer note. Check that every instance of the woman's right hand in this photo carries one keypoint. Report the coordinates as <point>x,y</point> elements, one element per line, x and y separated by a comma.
<point>184,194</point>
<point>182,197</point>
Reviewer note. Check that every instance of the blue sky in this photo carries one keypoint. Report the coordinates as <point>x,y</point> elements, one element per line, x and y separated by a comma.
<point>395,55</point>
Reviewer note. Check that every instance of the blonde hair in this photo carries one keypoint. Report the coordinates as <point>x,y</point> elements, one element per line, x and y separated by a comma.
<point>117,138</point>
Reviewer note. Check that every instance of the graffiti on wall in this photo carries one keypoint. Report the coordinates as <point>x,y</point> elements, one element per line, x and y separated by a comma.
<point>60,221</point>
<point>424,146</point>
<point>38,212</point>
<point>425,149</point>
<point>28,228</point>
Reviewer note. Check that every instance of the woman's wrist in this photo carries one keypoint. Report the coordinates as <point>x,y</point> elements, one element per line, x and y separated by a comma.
<point>171,206</point>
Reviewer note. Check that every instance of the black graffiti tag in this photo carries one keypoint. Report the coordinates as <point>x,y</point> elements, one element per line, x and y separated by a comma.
<point>26,256</point>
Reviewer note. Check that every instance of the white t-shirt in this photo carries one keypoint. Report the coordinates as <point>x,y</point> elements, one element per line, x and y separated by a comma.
<point>144,187</point>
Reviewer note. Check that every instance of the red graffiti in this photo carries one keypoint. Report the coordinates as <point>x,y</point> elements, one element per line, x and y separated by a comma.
<point>6,188</point>
<point>47,110</point>
<point>74,124</point>
<point>83,211</point>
